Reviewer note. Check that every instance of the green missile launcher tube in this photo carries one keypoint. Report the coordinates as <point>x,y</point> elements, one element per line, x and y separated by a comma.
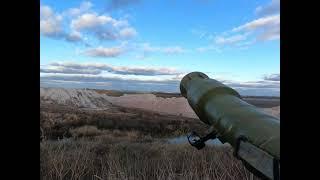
<point>222,107</point>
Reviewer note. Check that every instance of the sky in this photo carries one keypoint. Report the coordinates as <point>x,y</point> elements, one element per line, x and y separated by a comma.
<point>140,45</point>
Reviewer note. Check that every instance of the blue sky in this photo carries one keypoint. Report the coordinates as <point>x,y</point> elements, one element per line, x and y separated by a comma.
<point>150,45</point>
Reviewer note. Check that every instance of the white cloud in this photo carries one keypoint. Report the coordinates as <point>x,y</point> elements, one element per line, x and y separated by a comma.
<point>84,6</point>
<point>83,25</point>
<point>68,70</point>
<point>127,33</point>
<point>50,23</point>
<point>121,23</point>
<point>270,9</point>
<point>45,11</point>
<point>261,23</point>
<point>265,88</point>
<point>90,20</point>
<point>104,27</point>
<point>230,40</point>
<point>253,84</point>
<point>111,82</point>
<point>261,29</point>
<point>98,68</point>
<point>104,52</point>
<point>74,36</point>
<point>51,26</point>
<point>272,77</point>
<point>270,34</point>
<point>264,28</point>
<point>141,78</point>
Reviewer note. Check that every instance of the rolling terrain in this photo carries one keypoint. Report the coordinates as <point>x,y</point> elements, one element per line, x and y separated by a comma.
<point>101,134</point>
<point>172,104</point>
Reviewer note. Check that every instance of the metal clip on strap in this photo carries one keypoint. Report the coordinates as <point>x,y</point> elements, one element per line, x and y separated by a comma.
<point>199,142</point>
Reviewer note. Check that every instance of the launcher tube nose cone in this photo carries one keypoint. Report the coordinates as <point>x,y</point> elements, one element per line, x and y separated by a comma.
<point>185,80</point>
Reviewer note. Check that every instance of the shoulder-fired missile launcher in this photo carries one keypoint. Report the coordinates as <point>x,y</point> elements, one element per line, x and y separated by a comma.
<point>253,134</point>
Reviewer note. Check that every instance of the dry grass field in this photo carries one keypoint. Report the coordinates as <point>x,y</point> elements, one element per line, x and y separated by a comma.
<point>84,135</point>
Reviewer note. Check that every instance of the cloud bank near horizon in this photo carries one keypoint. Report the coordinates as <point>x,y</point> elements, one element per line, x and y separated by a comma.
<point>146,79</point>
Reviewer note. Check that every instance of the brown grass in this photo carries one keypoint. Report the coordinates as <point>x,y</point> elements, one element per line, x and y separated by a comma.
<point>98,159</point>
<point>125,143</point>
<point>85,131</point>
<point>61,122</point>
